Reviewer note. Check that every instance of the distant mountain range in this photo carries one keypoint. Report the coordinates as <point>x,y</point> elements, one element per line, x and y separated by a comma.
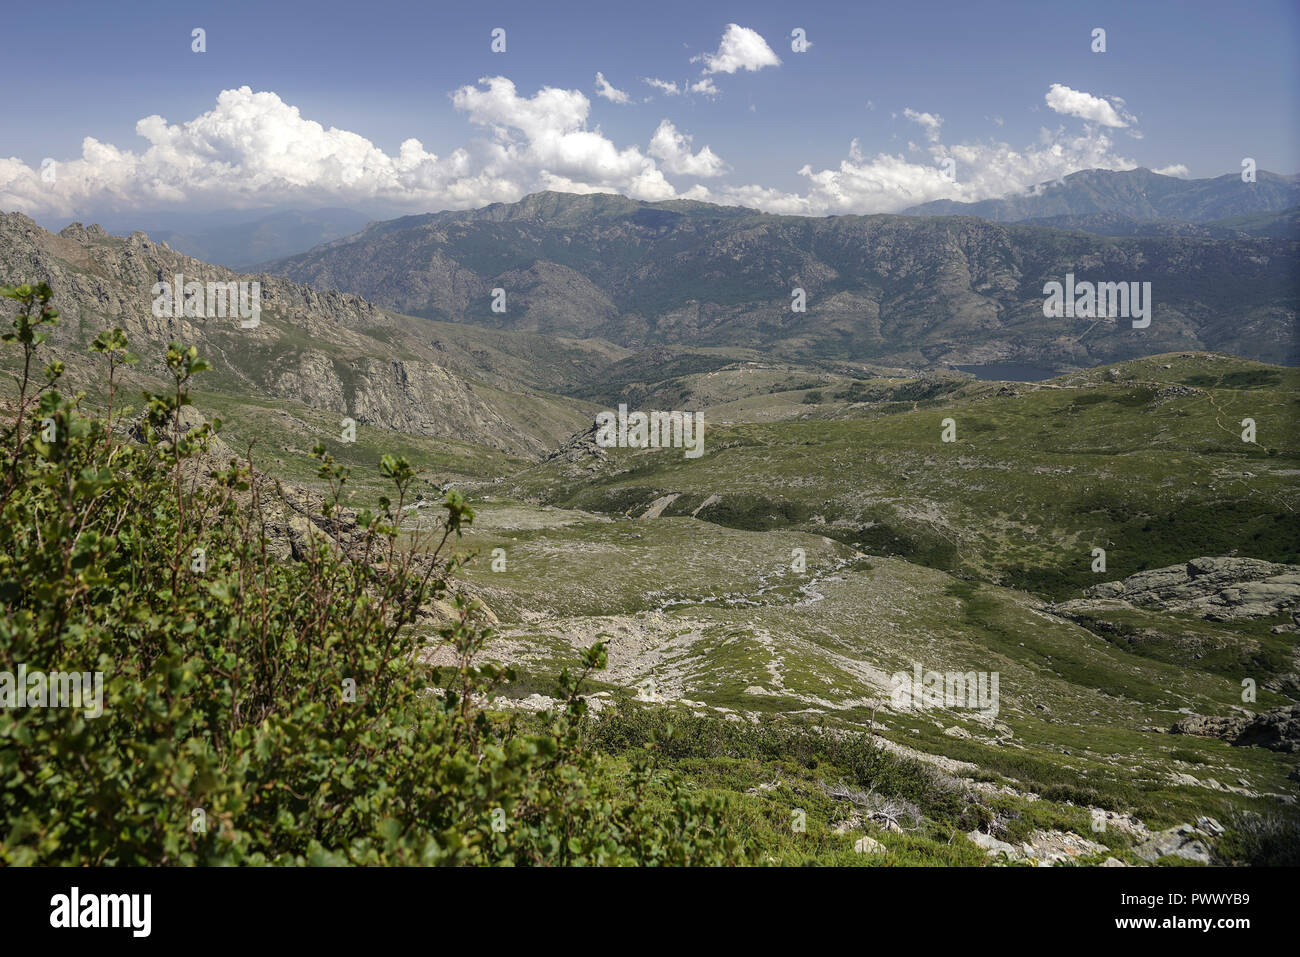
<point>1136,194</point>
<point>1135,202</point>
<point>242,245</point>
<point>1283,225</point>
<point>907,290</point>
<point>605,296</point>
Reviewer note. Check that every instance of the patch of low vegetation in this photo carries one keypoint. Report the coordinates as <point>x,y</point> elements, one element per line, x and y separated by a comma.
<point>1261,840</point>
<point>264,711</point>
<point>801,793</point>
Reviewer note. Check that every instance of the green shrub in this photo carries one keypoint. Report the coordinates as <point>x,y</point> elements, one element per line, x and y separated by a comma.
<point>260,710</point>
<point>837,757</point>
<point>1261,840</point>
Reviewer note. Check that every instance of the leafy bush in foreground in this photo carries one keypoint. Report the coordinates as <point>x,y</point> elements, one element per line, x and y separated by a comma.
<point>256,710</point>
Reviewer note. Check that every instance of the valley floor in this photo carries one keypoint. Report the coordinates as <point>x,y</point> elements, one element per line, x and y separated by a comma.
<point>818,551</point>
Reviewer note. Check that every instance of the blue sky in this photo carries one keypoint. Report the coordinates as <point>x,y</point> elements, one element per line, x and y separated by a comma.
<point>863,121</point>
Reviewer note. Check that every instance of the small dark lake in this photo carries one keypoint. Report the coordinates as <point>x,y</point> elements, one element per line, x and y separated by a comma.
<point>1010,372</point>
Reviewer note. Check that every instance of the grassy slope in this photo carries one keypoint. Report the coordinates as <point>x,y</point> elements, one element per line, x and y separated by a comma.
<point>707,614</point>
<point>1143,465</point>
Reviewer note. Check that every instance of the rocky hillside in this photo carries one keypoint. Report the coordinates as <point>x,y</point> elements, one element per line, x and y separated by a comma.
<point>329,351</point>
<point>910,291</point>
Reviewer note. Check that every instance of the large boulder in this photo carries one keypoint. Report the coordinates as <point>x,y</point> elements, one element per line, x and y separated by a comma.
<point>1277,730</point>
<point>1219,589</point>
<point>1185,841</point>
<point>868,845</point>
<point>1226,727</point>
<point>992,847</point>
<point>1053,847</point>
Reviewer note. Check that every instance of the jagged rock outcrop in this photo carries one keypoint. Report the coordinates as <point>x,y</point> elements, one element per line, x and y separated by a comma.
<point>1277,730</point>
<point>1218,589</point>
<point>1044,848</point>
<point>1212,726</point>
<point>579,447</point>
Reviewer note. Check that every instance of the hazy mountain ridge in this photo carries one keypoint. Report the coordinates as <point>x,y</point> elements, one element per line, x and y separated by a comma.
<point>1138,194</point>
<point>243,245</point>
<point>906,290</point>
<point>1283,225</point>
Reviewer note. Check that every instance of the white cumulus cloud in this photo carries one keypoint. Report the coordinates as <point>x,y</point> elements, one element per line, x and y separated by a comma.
<point>249,149</point>
<point>254,150</point>
<point>547,133</point>
<point>673,150</point>
<point>889,183</point>
<point>1094,109</point>
<point>741,49</point>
